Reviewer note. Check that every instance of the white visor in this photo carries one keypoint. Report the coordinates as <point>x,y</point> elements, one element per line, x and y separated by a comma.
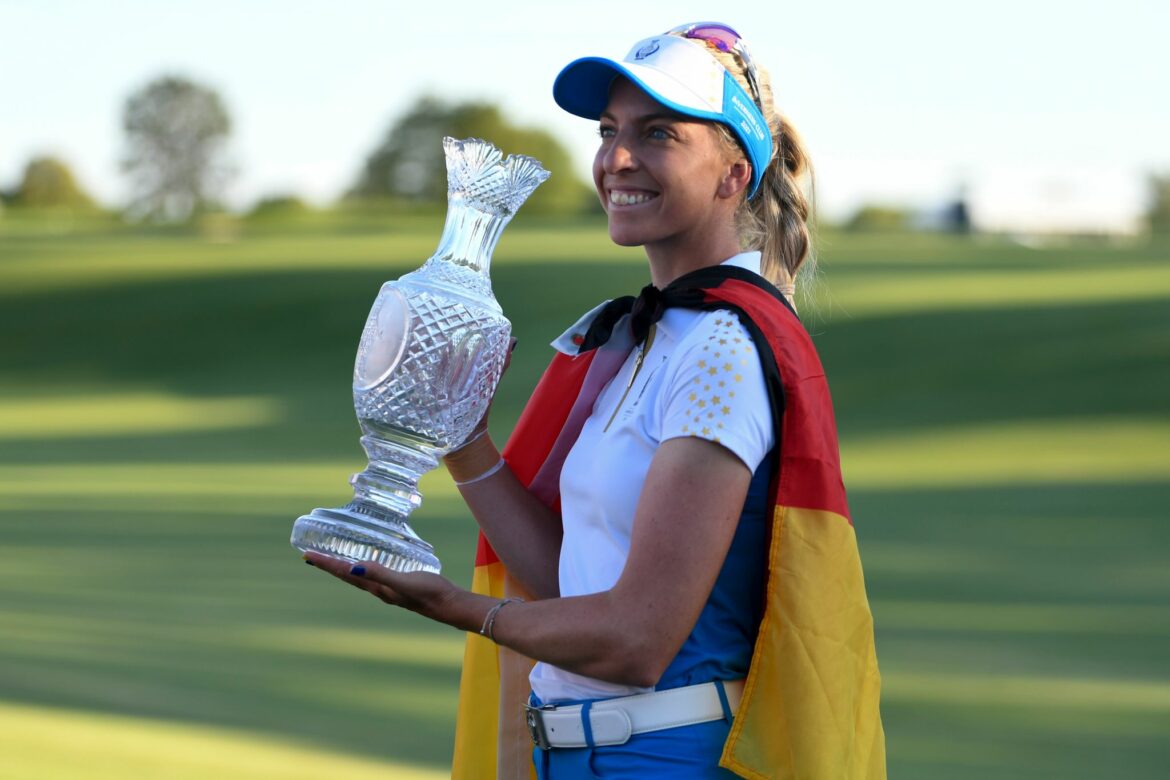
<point>680,74</point>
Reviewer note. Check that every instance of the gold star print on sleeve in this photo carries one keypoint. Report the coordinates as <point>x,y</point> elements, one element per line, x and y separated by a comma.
<point>721,362</point>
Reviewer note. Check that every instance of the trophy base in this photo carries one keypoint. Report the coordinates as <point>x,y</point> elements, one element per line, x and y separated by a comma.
<point>355,536</point>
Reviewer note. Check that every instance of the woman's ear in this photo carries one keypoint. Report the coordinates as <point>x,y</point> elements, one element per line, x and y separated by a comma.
<point>738,178</point>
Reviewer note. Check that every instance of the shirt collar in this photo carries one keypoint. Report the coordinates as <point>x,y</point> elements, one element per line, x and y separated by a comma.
<point>673,320</point>
<point>749,261</point>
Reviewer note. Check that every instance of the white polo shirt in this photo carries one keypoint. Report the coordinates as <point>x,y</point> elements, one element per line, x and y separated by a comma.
<point>701,377</point>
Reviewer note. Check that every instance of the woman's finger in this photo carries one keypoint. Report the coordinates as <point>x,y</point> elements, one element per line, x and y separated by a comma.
<point>512,342</point>
<point>416,591</point>
<point>328,563</point>
<point>365,576</point>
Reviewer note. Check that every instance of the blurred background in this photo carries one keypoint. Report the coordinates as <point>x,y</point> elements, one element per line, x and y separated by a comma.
<point>199,201</point>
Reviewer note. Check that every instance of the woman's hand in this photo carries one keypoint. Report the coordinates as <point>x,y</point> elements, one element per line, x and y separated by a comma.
<point>481,428</point>
<point>422,592</point>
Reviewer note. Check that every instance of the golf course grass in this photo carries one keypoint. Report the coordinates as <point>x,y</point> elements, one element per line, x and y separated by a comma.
<point>170,404</point>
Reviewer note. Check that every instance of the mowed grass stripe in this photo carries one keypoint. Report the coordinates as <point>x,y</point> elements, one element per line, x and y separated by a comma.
<point>177,480</point>
<point>932,272</point>
<point>1033,451</point>
<point>105,414</point>
<point>863,295</point>
<point>43,742</point>
<point>79,635</point>
<point>69,265</point>
<point>1114,449</point>
<point>956,689</point>
<point>998,617</point>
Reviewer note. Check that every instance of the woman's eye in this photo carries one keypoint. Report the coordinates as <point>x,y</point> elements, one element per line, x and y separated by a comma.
<point>658,133</point>
<point>605,131</point>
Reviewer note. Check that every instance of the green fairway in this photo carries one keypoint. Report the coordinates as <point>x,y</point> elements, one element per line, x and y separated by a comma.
<point>169,405</point>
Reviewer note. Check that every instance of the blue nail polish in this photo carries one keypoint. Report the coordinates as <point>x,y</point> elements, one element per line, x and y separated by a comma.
<point>358,571</point>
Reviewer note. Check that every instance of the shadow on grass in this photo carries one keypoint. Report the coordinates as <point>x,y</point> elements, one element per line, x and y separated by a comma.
<point>182,616</point>
<point>291,336</point>
<point>990,587</point>
<point>157,614</point>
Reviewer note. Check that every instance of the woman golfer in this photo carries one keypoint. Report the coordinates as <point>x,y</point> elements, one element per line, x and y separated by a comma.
<point>670,504</point>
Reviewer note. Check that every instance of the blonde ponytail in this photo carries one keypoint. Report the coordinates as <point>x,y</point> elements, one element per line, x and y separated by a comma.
<point>778,220</point>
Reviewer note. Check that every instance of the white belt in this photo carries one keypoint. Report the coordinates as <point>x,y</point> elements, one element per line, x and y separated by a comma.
<point>614,721</point>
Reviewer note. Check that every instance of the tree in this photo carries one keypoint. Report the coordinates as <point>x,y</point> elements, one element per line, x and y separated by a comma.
<point>878,218</point>
<point>176,132</point>
<point>1158,213</point>
<point>276,207</point>
<point>409,162</point>
<point>48,183</point>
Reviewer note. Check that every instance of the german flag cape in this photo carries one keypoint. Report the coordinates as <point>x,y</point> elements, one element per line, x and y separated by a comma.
<point>810,703</point>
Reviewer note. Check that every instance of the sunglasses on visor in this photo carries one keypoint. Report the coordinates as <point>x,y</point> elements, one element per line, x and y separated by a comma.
<point>725,40</point>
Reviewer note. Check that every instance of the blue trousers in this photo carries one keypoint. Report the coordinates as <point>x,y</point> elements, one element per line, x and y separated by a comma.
<point>686,752</point>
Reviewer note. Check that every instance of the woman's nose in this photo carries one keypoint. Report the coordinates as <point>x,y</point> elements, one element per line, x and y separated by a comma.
<point>619,156</point>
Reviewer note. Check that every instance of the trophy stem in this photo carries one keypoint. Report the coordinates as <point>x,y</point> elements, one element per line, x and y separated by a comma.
<point>390,481</point>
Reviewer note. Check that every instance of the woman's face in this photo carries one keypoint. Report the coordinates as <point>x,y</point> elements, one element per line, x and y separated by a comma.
<point>663,178</point>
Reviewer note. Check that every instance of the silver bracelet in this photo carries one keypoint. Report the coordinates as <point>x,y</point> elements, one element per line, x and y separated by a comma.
<point>489,620</point>
<point>484,475</point>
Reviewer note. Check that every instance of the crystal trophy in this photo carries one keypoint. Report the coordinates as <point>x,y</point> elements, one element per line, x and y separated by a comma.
<point>428,362</point>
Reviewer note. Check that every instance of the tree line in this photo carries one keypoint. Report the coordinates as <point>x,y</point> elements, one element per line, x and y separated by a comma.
<point>176,135</point>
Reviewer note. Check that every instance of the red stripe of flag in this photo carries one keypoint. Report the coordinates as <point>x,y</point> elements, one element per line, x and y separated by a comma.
<point>810,469</point>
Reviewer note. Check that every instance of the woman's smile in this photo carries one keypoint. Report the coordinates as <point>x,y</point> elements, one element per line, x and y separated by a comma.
<point>624,197</point>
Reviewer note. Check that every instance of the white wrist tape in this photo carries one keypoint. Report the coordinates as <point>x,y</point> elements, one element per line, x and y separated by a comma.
<point>484,475</point>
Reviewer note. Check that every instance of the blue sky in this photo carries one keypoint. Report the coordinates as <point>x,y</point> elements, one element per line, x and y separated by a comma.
<point>1044,109</point>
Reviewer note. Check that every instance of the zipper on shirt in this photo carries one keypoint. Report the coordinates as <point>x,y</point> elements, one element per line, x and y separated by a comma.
<point>637,367</point>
